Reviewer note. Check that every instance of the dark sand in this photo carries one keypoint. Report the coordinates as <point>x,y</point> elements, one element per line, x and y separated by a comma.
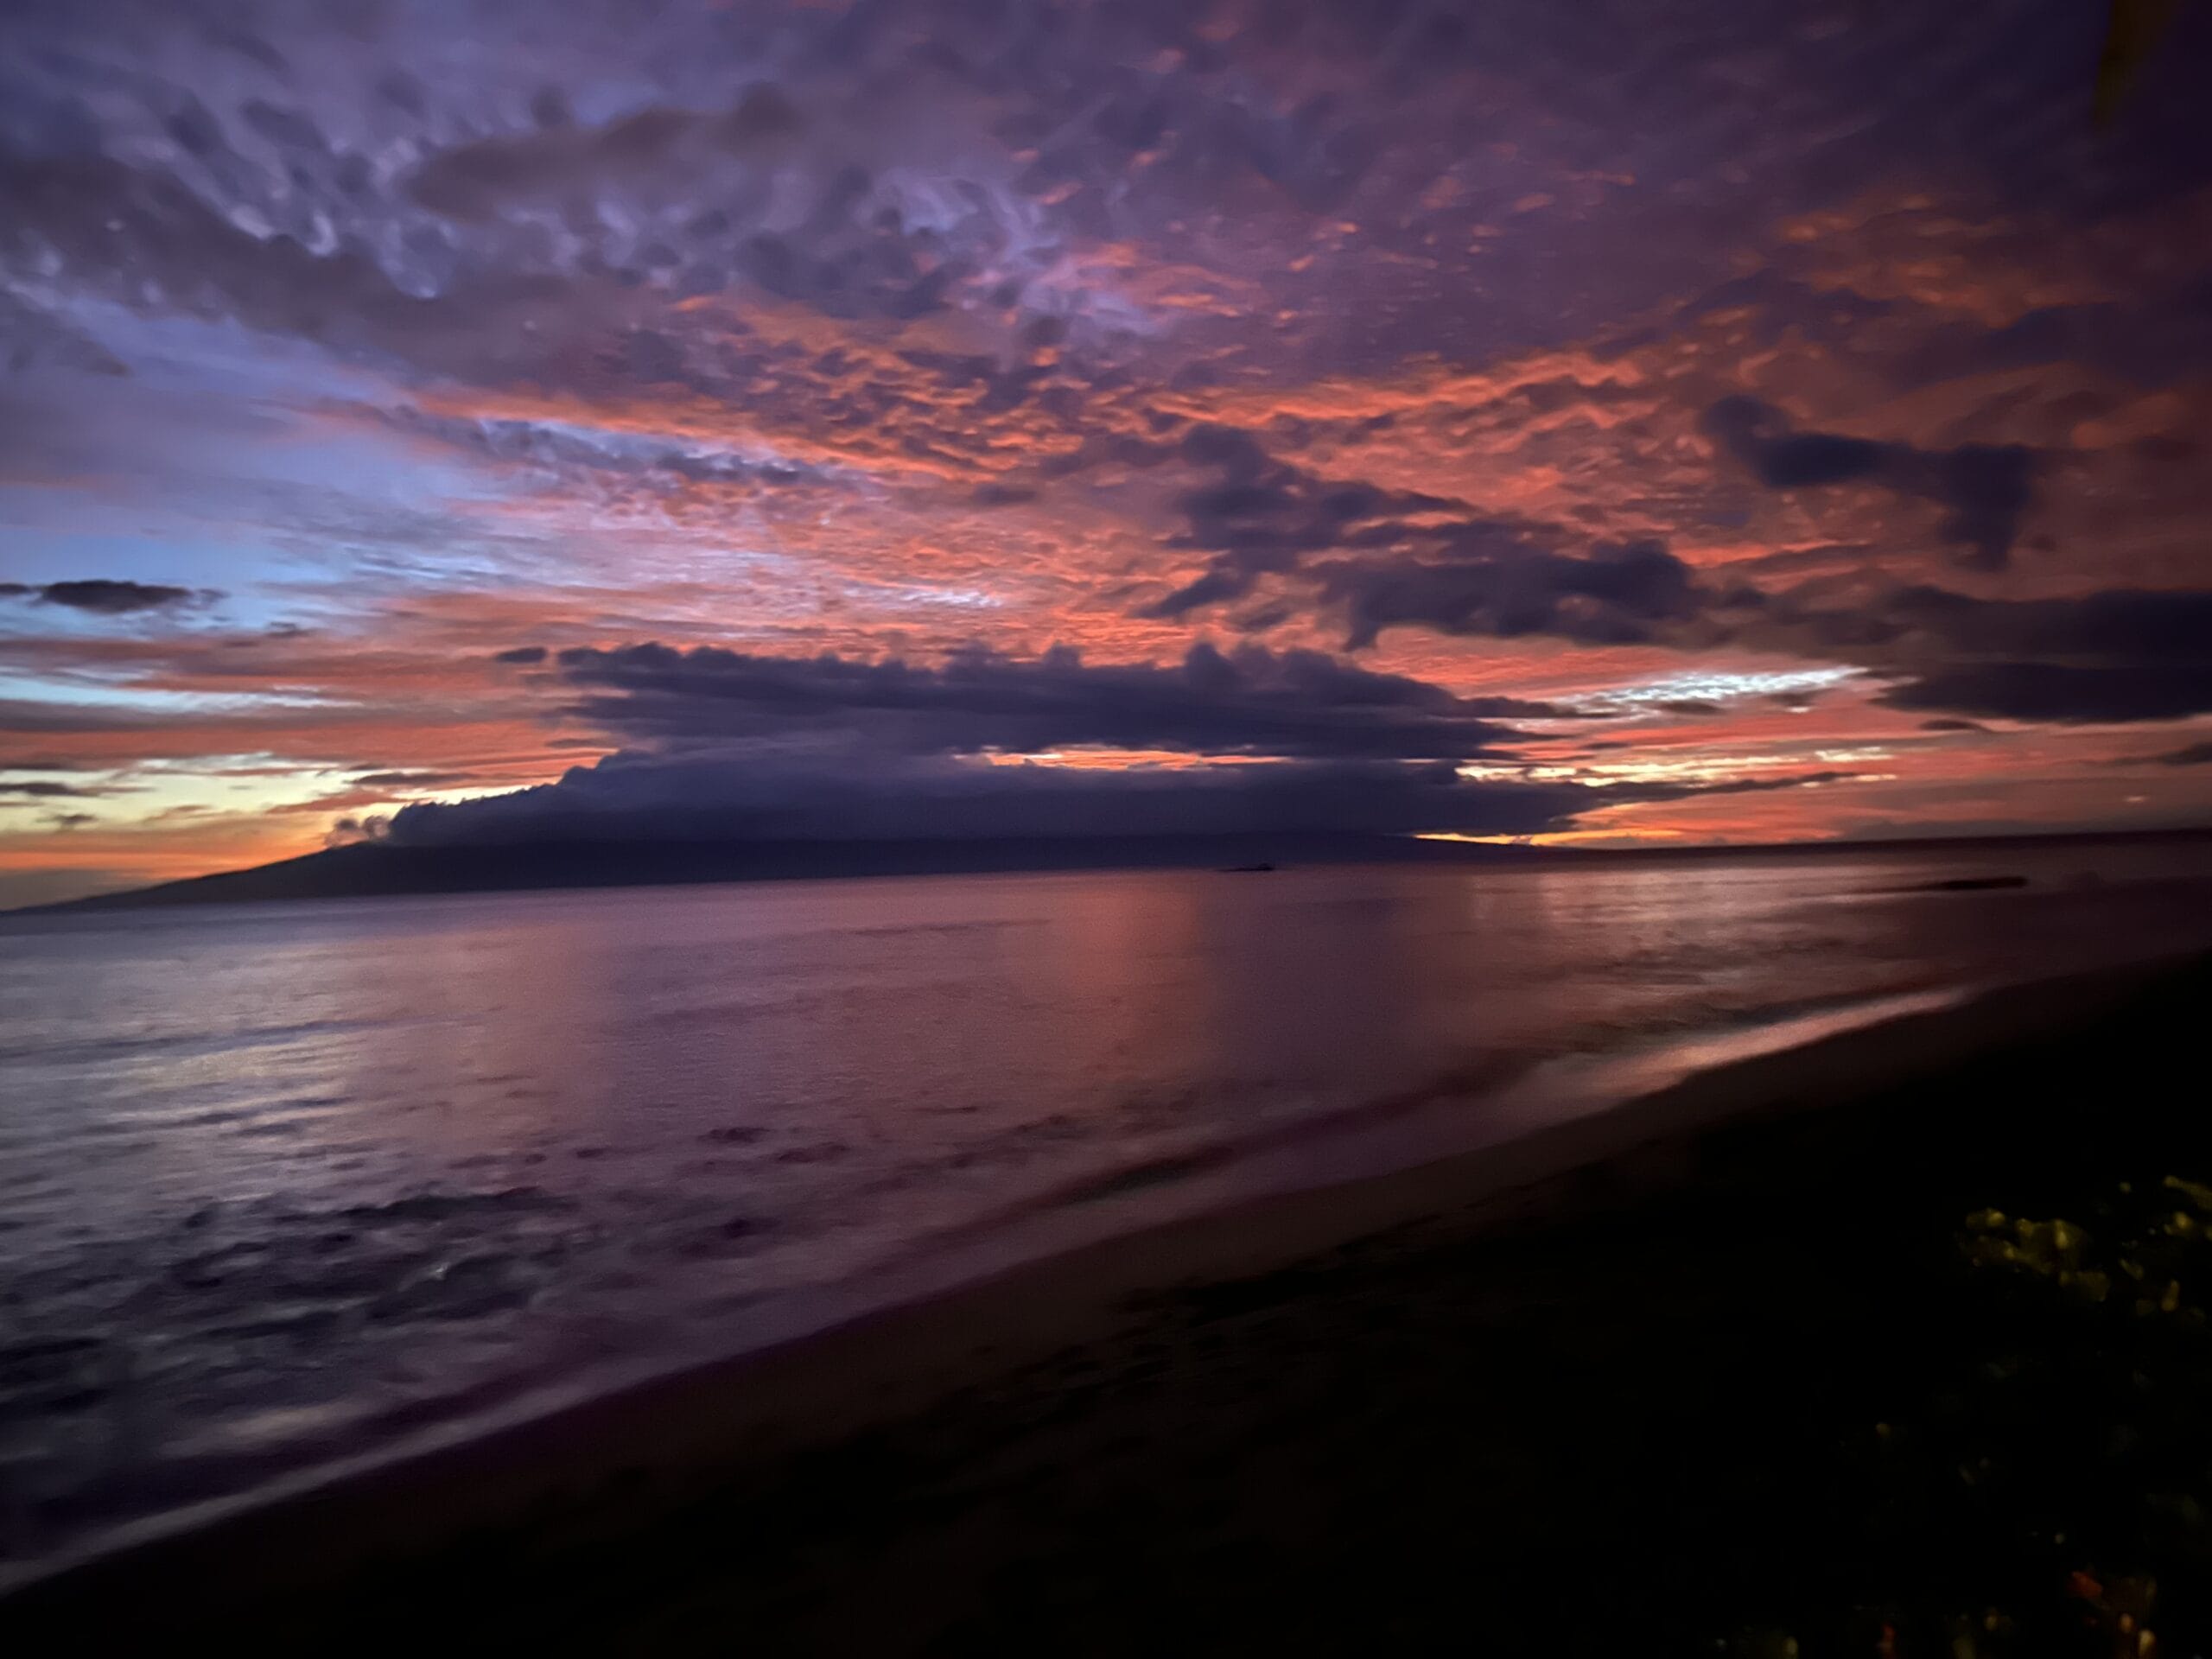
<point>1892,1343</point>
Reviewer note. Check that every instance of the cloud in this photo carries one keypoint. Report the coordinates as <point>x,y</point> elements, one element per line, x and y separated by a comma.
<point>133,230</point>
<point>2112,655</point>
<point>2194,754</point>
<point>105,596</point>
<point>652,797</point>
<point>2056,692</point>
<point>1250,700</point>
<point>1478,584</point>
<point>33,340</point>
<point>1375,559</point>
<point>881,330</point>
<point>479,180</point>
<point>1264,515</point>
<point>2113,627</point>
<point>2116,655</point>
<point>1984,489</point>
<point>723,746</point>
<point>632,797</point>
<point>555,451</point>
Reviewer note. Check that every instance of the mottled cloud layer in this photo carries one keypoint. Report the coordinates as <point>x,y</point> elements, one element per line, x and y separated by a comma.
<point>1629,411</point>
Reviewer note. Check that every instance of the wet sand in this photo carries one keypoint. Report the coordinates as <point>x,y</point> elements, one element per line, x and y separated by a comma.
<point>1895,1338</point>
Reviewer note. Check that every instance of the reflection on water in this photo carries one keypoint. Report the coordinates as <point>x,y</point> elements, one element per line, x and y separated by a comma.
<point>284,1181</point>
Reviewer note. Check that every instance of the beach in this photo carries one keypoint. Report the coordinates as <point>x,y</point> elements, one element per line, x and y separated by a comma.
<point>1895,1336</point>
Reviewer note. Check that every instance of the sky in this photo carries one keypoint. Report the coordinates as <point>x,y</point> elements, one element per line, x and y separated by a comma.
<point>1638,422</point>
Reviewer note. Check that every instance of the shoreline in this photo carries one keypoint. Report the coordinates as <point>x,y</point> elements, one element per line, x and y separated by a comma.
<point>657,1440</point>
<point>1456,1118</point>
<point>1568,1096</point>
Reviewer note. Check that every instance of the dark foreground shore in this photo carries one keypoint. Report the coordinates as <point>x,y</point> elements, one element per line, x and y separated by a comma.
<point>1890,1344</point>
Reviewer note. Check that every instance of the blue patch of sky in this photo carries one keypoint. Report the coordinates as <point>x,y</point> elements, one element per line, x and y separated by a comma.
<point>226,460</point>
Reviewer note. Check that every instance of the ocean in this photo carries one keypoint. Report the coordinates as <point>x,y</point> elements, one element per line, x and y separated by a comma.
<point>284,1187</point>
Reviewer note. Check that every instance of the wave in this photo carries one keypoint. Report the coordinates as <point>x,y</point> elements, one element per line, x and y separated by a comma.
<point>1593,1067</point>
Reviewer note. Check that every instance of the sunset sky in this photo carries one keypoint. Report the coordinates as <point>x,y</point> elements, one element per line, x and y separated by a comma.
<point>1629,421</point>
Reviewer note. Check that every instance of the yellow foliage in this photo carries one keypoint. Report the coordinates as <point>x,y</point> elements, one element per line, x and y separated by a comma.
<point>2195,1192</point>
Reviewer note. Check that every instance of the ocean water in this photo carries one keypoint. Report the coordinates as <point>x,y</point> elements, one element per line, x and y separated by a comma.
<point>283,1185</point>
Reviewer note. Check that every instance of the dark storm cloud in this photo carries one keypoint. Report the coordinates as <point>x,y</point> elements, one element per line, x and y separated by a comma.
<point>2115,626</point>
<point>1249,701</point>
<point>647,796</point>
<point>2057,692</point>
<point>103,597</point>
<point>523,654</point>
<point>634,796</point>
<point>1264,515</point>
<point>1477,583</point>
<point>2117,655</point>
<point>1404,559</point>
<point>726,747</point>
<point>1984,489</point>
